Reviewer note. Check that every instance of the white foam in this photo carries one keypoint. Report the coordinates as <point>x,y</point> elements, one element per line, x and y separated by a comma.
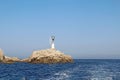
<point>62,75</point>
<point>106,78</point>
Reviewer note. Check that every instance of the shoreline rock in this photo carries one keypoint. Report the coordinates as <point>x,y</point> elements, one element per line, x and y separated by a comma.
<point>6,59</point>
<point>11,59</point>
<point>47,56</point>
<point>1,55</point>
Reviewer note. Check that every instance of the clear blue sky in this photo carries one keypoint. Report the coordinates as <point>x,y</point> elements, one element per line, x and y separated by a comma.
<point>83,28</point>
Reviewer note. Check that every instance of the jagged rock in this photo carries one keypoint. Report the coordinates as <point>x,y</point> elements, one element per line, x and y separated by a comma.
<point>41,56</point>
<point>14,59</point>
<point>6,59</point>
<point>1,55</point>
<point>25,60</point>
<point>49,56</point>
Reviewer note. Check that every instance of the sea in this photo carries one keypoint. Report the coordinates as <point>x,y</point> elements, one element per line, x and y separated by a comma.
<point>80,69</point>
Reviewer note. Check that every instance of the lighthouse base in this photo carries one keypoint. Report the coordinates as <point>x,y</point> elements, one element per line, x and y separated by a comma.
<point>52,46</point>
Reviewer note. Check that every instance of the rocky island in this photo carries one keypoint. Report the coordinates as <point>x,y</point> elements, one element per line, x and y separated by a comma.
<point>47,56</point>
<point>40,56</point>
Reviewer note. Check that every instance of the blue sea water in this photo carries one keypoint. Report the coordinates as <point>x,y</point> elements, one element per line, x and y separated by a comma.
<point>81,69</point>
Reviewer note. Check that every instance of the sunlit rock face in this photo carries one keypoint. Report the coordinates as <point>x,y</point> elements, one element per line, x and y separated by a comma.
<point>1,55</point>
<point>11,59</point>
<point>49,56</point>
<point>40,56</point>
<point>6,59</point>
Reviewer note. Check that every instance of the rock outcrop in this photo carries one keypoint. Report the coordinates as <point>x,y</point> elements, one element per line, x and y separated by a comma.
<point>11,59</point>
<point>1,55</point>
<point>42,56</point>
<point>6,59</point>
<point>25,60</point>
<point>49,56</point>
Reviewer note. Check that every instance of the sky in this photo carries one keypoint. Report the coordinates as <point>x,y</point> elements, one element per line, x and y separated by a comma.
<point>84,29</point>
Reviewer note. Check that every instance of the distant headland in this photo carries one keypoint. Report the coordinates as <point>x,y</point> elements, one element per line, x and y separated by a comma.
<point>41,56</point>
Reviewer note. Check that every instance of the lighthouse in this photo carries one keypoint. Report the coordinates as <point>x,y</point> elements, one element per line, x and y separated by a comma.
<point>52,39</point>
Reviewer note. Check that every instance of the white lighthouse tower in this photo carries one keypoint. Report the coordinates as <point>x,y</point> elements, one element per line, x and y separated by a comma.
<point>52,39</point>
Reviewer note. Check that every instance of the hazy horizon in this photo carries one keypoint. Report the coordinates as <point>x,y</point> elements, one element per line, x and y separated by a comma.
<point>87,29</point>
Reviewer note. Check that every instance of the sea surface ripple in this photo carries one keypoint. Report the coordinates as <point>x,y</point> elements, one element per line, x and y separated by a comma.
<point>81,69</point>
